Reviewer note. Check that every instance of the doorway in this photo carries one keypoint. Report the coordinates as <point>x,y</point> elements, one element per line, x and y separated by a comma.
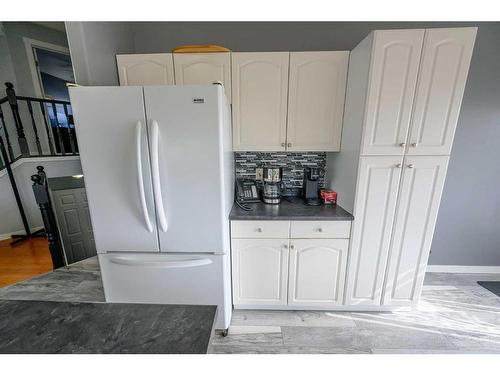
<point>51,71</point>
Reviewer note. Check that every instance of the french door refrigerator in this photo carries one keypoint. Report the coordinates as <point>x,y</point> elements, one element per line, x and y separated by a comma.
<point>158,167</point>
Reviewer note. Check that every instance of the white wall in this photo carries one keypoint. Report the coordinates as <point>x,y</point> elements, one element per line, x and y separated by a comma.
<point>10,221</point>
<point>94,46</point>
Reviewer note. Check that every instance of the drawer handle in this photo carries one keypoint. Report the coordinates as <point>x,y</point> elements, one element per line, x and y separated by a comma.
<point>259,230</point>
<point>320,230</point>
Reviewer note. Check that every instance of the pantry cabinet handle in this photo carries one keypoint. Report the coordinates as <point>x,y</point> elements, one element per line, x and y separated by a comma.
<point>289,145</point>
<point>399,165</point>
<point>283,144</point>
<point>410,166</point>
<point>292,247</point>
<point>403,144</point>
<point>414,144</point>
<point>285,246</point>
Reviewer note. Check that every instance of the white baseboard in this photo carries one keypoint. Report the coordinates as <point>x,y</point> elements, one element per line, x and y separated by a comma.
<point>6,236</point>
<point>463,269</point>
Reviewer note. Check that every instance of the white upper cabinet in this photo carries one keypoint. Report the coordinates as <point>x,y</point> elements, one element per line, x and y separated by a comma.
<point>145,69</point>
<point>316,95</point>
<point>445,63</point>
<point>203,69</point>
<point>317,272</point>
<point>374,207</point>
<point>393,76</point>
<point>259,90</point>
<point>419,197</point>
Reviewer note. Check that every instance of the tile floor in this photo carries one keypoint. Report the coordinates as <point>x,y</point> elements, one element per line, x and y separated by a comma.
<point>455,315</point>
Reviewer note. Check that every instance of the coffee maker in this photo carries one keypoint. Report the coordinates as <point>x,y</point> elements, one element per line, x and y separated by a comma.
<point>310,186</point>
<point>273,185</point>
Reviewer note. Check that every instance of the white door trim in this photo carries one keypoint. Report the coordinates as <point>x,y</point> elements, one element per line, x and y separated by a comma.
<point>28,45</point>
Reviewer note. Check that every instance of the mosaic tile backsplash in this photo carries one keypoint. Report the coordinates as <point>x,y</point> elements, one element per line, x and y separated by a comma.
<point>293,164</point>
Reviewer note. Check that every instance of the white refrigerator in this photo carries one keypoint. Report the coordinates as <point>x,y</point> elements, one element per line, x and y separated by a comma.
<point>158,167</point>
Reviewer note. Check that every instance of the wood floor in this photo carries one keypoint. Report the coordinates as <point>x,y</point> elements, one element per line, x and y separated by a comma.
<point>23,261</point>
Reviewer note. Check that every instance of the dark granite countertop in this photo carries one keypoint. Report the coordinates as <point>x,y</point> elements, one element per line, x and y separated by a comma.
<point>65,183</point>
<point>63,327</point>
<point>292,209</point>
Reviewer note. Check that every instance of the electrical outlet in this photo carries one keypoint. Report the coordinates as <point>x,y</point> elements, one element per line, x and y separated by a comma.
<point>259,174</point>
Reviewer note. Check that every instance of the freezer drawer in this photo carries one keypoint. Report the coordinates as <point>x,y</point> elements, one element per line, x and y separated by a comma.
<point>196,279</point>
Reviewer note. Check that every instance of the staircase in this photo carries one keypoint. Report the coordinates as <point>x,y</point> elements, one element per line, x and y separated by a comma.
<point>33,132</point>
<point>42,127</point>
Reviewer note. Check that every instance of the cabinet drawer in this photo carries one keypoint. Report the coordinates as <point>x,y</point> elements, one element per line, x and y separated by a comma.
<point>320,229</point>
<point>260,229</point>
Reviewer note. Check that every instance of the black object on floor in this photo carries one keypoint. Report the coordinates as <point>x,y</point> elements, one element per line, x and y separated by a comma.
<point>492,286</point>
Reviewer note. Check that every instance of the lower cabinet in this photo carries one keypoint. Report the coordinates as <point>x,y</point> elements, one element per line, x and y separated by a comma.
<point>415,219</point>
<point>260,271</point>
<point>317,272</point>
<point>301,272</point>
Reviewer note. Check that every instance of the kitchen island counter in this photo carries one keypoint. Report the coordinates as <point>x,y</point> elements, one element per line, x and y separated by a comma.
<point>64,327</point>
<point>289,209</point>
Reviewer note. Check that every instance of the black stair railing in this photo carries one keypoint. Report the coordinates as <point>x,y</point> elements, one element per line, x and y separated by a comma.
<point>42,198</point>
<point>53,117</point>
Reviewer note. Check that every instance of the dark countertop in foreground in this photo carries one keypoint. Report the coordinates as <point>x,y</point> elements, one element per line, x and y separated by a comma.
<point>290,210</point>
<point>63,327</point>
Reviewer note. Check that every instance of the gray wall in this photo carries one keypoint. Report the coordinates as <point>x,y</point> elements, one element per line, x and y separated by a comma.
<point>468,227</point>
<point>94,46</point>
<point>10,221</point>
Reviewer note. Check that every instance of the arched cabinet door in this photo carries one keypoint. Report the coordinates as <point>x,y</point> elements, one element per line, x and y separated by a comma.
<point>393,76</point>
<point>259,89</point>
<point>145,69</point>
<point>446,56</point>
<point>260,271</point>
<point>317,272</point>
<point>316,95</point>
<point>203,69</point>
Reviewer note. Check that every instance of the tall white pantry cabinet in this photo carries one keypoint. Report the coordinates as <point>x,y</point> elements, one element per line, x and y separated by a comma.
<point>404,93</point>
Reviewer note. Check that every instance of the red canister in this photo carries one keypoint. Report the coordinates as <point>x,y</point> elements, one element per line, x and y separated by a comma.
<point>328,196</point>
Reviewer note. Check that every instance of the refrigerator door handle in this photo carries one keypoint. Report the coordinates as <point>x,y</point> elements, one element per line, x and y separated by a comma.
<point>128,261</point>
<point>155,166</point>
<point>140,180</point>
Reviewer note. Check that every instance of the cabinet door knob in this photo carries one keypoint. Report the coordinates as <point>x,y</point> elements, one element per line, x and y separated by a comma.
<point>399,165</point>
<point>320,230</point>
<point>259,230</point>
<point>285,246</point>
<point>414,144</point>
<point>289,145</point>
<point>283,144</point>
<point>410,165</point>
<point>292,247</point>
<point>403,144</point>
